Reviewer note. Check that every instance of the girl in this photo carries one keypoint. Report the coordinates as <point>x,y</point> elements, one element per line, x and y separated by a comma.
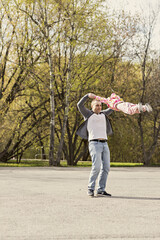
<point>116,103</point>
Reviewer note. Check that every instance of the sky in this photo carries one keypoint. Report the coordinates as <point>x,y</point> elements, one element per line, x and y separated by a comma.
<point>145,9</point>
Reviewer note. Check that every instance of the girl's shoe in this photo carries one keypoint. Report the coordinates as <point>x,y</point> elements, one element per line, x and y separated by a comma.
<point>148,107</point>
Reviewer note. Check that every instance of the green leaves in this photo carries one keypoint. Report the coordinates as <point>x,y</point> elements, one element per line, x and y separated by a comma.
<point>90,51</point>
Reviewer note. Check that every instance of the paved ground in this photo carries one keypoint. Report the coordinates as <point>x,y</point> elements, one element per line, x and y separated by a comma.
<point>51,203</point>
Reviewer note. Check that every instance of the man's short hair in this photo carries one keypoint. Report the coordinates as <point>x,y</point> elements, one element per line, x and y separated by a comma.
<point>94,101</point>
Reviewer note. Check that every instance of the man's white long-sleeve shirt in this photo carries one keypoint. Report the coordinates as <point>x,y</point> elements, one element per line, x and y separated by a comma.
<point>96,127</point>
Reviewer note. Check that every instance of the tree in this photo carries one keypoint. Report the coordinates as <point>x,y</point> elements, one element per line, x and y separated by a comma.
<point>19,56</point>
<point>78,64</point>
<point>41,14</point>
<point>149,71</point>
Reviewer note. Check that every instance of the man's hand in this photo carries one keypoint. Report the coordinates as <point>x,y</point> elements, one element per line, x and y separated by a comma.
<point>91,95</point>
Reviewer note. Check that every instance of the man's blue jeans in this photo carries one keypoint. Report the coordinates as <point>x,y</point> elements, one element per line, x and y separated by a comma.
<point>100,156</point>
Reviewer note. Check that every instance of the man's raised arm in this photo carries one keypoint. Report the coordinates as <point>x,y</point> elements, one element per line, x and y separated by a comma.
<point>83,110</point>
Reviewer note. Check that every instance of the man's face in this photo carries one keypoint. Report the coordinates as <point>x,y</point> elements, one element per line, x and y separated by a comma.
<point>96,107</point>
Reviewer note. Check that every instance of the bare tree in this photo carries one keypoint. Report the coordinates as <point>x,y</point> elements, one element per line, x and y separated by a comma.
<point>148,69</point>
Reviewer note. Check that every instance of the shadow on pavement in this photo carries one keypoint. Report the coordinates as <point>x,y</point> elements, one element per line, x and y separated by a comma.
<point>136,198</point>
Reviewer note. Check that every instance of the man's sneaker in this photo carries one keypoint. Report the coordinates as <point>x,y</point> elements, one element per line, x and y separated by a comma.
<point>148,107</point>
<point>140,107</point>
<point>90,193</point>
<point>103,193</point>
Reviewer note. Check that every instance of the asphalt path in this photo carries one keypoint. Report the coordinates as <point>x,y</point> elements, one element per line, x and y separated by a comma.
<point>52,203</point>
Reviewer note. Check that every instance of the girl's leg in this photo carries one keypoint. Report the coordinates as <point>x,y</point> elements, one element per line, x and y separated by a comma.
<point>130,108</point>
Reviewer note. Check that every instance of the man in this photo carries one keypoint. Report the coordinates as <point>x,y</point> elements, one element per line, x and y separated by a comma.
<point>96,128</point>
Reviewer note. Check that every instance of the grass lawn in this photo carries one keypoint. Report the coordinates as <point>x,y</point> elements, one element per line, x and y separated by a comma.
<point>45,163</point>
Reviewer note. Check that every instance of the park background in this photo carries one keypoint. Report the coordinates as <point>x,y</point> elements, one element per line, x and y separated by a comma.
<point>52,53</point>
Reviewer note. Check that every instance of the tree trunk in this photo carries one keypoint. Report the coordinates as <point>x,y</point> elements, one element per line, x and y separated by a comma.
<point>52,162</point>
<point>59,153</point>
<point>66,112</point>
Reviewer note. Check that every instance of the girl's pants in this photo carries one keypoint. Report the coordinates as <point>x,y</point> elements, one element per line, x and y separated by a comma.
<point>128,108</point>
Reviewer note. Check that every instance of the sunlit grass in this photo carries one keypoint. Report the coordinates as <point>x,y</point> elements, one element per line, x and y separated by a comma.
<point>26,163</point>
<point>45,163</point>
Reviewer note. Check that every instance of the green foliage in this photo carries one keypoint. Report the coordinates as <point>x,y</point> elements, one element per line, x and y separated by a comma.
<point>97,51</point>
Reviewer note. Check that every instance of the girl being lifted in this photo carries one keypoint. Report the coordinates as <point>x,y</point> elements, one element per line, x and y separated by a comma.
<point>116,103</point>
